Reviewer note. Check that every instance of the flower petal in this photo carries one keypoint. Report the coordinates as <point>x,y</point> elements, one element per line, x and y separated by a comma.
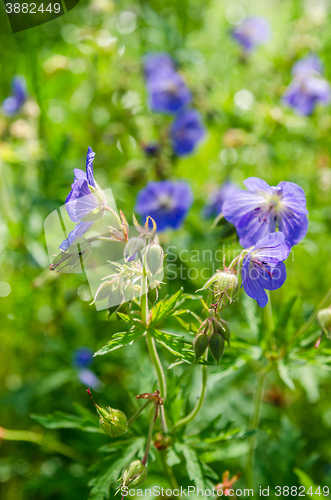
<point>258,186</point>
<point>80,229</point>
<point>89,166</point>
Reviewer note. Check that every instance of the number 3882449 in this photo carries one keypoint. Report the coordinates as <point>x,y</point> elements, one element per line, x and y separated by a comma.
<point>31,8</point>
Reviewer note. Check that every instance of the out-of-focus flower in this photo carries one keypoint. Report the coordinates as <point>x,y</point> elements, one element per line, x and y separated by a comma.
<point>87,377</point>
<point>166,202</point>
<point>154,64</point>
<point>258,211</point>
<point>253,31</point>
<point>151,149</point>
<point>85,202</point>
<point>308,87</point>
<point>227,484</point>
<point>217,198</point>
<point>82,357</point>
<point>15,101</point>
<point>186,132</point>
<point>167,91</point>
<point>263,267</point>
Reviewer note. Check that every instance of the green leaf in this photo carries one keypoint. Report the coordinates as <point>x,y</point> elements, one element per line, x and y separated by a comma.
<point>172,457</point>
<point>284,374</point>
<point>307,482</point>
<point>124,317</point>
<point>284,316</point>
<point>164,308</point>
<point>176,345</point>
<point>100,484</point>
<point>59,420</point>
<point>192,466</point>
<point>119,340</point>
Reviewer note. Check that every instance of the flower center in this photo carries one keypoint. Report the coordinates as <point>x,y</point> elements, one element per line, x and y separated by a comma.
<point>166,202</point>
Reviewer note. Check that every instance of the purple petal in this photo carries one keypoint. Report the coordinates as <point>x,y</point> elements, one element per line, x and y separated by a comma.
<point>272,248</point>
<point>254,226</point>
<point>258,186</point>
<point>80,229</point>
<point>309,64</point>
<point>274,277</point>
<point>89,166</point>
<point>252,284</point>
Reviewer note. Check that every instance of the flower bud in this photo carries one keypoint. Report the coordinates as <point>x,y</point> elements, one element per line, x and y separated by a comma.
<point>128,291</point>
<point>216,345</point>
<point>154,258</point>
<point>200,344</point>
<point>113,422</point>
<point>324,319</point>
<point>227,285</point>
<point>115,298</point>
<point>104,290</point>
<point>224,331</point>
<point>133,247</point>
<point>134,474</point>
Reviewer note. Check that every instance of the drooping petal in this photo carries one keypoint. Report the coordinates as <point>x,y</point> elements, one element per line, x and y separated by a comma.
<point>252,284</point>
<point>272,278</point>
<point>89,166</point>
<point>80,229</point>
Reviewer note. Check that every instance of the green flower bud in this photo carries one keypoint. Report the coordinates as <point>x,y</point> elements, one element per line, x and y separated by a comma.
<point>128,291</point>
<point>324,319</point>
<point>217,346</point>
<point>113,422</point>
<point>104,290</point>
<point>134,246</point>
<point>200,344</point>
<point>227,285</point>
<point>154,258</point>
<point>224,331</point>
<point>134,474</point>
<point>115,298</point>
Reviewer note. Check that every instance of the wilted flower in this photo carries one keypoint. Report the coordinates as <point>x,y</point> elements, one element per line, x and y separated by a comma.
<point>85,202</point>
<point>166,202</point>
<point>257,212</point>
<point>263,267</point>
<point>186,132</point>
<point>15,101</point>
<point>217,198</point>
<point>308,87</point>
<point>167,90</point>
<point>253,31</point>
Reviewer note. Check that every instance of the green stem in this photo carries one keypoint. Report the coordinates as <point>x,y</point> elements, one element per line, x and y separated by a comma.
<point>254,425</point>
<point>150,433</point>
<point>34,437</point>
<point>138,412</point>
<point>157,364</point>
<point>168,470</point>
<point>196,410</point>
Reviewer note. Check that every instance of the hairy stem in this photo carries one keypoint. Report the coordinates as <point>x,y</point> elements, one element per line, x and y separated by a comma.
<point>150,433</point>
<point>196,410</point>
<point>157,364</point>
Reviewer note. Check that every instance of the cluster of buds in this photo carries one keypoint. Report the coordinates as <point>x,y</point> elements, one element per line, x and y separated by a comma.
<point>224,286</point>
<point>113,422</point>
<point>213,333</point>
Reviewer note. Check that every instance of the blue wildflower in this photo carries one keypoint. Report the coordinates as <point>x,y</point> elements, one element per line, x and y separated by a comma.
<point>253,31</point>
<point>167,90</point>
<point>217,198</point>
<point>84,203</point>
<point>166,202</point>
<point>15,101</point>
<point>263,267</point>
<point>308,87</point>
<point>186,132</point>
<point>258,211</point>
<point>82,357</point>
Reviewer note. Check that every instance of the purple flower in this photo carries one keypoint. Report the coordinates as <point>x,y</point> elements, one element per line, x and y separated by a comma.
<point>15,101</point>
<point>253,31</point>
<point>217,198</point>
<point>84,203</point>
<point>258,211</point>
<point>167,90</point>
<point>308,87</point>
<point>82,357</point>
<point>88,378</point>
<point>166,202</point>
<point>186,132</point>
<point>263,267</point>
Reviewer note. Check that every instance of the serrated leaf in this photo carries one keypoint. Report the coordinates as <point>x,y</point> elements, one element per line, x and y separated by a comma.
<point>193,466</point>
<point>164,308</point>
<point>172,457</point>
<point>285,375</point>
<point>119,340</point>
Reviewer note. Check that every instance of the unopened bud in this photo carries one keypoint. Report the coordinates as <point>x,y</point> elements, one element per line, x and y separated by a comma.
<point>224,330</point>
<point>128,291</point>
<point>133,247</point>
<point>115,298</point>
<point>104,290</point>
<point>217,346</point>
<point>113,422</point>
<point>200,344</point>
<point>227,285</point>
<point>134,474</point>
<point>154,258</point>
<point>324,319</point>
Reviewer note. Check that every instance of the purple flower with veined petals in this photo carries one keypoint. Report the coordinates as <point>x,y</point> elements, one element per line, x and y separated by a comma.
<point>186,132</point>
<point>217,198</point>
<point>263,267</point>
<point>253,31</point>
<point>84,203</point>
<point>15,101</point>
<point>258,211</point>
<point>166,202</point>
<point>308,87</point>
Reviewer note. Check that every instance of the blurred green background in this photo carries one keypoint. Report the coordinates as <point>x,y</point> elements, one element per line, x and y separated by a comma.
<point>86,87</point>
